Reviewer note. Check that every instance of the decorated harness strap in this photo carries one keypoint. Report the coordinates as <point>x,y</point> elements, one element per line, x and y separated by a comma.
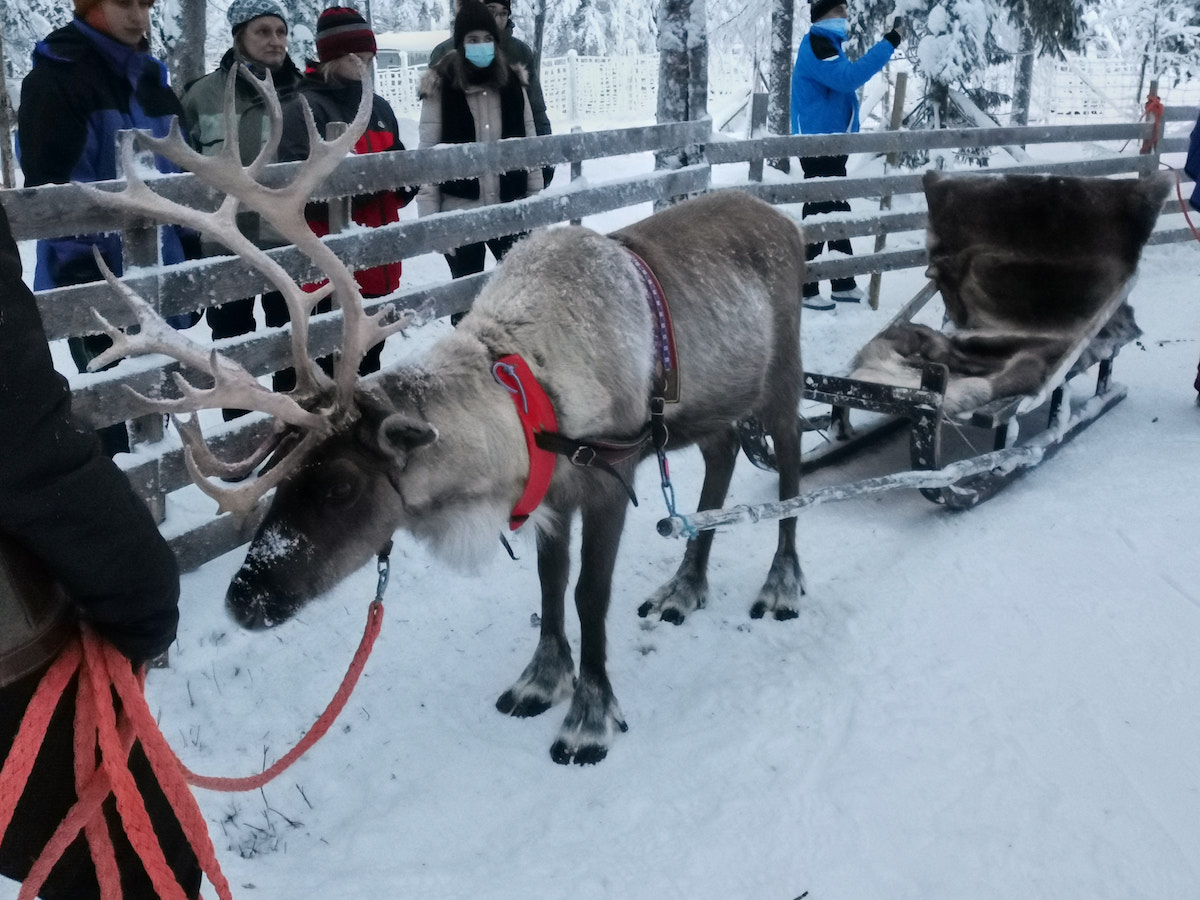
<point>540,425</point>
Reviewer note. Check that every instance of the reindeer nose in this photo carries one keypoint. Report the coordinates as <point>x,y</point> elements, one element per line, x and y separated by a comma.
<point>248,605</point>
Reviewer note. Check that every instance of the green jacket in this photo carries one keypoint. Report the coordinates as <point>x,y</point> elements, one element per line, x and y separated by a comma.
<point>204,128</point>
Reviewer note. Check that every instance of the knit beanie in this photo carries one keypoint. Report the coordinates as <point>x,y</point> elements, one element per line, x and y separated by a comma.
<point>242,12</point>
<point>342,31</point>
<point>507,4</point>
<point>474,16</point>
<point>821,8</point>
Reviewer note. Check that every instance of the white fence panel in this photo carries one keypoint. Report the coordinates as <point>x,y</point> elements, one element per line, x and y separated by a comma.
<point>623,88</point>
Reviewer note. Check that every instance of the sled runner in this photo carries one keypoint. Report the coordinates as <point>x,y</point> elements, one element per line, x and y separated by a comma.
<point>1034,272</point>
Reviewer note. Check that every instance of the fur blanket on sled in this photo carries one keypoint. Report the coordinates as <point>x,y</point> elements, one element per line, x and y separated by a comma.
<point>1032,269</point>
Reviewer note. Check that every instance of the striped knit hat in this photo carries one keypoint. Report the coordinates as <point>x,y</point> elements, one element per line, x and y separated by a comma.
<point>242,12</point>
<point>341,31</point>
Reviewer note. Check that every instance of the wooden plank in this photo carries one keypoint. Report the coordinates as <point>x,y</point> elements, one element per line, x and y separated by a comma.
<point>202,283</point>
<point>907,141</point>
<point>56,210</point>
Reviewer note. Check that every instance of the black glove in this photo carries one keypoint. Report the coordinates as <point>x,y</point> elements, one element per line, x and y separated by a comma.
<point>896,35</point>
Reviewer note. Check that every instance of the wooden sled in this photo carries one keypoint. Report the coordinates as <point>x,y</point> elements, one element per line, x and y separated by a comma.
<point>1034,272</point>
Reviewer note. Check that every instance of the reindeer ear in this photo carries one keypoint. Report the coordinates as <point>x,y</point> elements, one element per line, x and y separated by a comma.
<point>399,434</point>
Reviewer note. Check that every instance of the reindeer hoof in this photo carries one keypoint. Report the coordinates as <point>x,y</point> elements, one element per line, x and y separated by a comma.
<point>674,616</point>
<point>525,708</point>
<point>676,599</point>
<point>581,756</point>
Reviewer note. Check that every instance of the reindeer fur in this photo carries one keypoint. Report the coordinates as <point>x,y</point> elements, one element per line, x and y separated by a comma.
<point>1028,267</point>
<point>438,451</point>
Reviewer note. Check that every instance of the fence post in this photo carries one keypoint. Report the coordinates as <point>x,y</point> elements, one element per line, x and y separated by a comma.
<point>1150,147</point>
<point>885,201</point>
<point>572,86</point>
<point>576,166</point>
<point>139,247</point>
<point>758,119</point>
<point>339,207</point>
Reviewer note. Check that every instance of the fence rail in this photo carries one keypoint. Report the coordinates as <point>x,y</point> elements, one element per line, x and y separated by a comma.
<point>157,469</point>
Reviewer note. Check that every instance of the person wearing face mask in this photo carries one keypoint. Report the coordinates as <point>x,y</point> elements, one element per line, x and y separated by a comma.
<point>516,51</point>
<point>260,42</point>
<point>472,94</point>
<point>332,88</point>
<point>825,101</point>
<point>91,79</point>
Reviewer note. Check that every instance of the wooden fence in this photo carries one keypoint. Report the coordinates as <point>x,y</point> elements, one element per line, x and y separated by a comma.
<point>156,468</point>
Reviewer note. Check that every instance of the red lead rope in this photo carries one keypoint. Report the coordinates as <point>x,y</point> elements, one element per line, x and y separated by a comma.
<point>98,725</point>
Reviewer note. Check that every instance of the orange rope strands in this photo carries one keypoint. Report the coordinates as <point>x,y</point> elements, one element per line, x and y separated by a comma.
<point>102,669</point>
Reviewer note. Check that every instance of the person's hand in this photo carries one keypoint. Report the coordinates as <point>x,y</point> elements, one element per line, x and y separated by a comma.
<point>896,35</point>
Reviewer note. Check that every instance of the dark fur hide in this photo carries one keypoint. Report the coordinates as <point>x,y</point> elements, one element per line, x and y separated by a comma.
<point>1030,267</point>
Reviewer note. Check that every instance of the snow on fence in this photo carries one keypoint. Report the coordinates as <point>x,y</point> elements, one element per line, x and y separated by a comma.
<point>156,468</point>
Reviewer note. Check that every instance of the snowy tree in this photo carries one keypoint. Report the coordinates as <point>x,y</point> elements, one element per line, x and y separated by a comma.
<point>1161,34</point>
<point>411,15</point>
<point>170,21</point>
<point>599,27</point>
<point>24,24</point>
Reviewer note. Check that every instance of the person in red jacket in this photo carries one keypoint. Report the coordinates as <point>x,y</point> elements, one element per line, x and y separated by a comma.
<point>332,88</point>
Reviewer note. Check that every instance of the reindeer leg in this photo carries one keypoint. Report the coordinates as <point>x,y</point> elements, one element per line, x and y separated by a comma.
<point>781,593</point>
<point>688,588</point>
<point>594,718</point>
<point>550,675</point>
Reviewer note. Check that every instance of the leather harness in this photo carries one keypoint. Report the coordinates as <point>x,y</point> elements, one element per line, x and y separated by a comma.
<point>540,425</point>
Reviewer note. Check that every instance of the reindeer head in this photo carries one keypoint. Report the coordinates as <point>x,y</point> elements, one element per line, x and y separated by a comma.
<point>324,444</point>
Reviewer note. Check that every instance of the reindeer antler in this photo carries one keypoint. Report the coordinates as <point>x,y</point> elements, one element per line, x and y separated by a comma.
<point>283,208</point>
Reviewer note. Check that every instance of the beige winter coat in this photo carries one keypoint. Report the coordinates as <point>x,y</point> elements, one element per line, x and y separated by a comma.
<point>484,104</point>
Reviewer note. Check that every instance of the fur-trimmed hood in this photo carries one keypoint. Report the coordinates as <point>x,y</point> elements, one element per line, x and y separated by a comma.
<point>452,69</point>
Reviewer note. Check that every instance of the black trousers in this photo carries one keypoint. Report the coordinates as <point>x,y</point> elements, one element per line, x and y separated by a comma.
<point>824,167</point>
<point>470,259</point>
<point>237,318</point>
<point>114,438</point>
<point>50,793</point>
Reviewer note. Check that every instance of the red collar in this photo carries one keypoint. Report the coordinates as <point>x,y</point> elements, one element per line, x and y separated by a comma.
<point>536,413</point>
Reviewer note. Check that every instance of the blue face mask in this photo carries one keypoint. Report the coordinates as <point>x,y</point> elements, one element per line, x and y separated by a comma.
<point>480,55</point>
<point>837,26</point>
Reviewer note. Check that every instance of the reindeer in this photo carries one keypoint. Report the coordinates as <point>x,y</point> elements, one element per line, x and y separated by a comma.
<point>445,449</point>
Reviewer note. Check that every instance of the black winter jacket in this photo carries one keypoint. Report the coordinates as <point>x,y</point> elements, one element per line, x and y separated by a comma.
<point>67,504</point>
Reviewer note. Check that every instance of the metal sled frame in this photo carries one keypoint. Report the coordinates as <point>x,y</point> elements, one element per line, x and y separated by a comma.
<point>1048,418</point>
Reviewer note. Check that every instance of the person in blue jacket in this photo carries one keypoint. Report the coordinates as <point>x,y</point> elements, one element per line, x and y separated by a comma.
<point>825,101</point>
<point>90,79</point>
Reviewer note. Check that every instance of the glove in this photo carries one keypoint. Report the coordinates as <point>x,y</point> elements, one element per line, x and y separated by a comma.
<point>896,35</point>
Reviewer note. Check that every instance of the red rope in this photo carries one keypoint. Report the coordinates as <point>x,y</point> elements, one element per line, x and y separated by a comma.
<point>1154,107</point>
<point>1183,205</point>
<point>98,725</point>
<point>326,719</point>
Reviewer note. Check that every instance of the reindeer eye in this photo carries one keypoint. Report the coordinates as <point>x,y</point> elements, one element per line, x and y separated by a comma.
<point>340,490</point>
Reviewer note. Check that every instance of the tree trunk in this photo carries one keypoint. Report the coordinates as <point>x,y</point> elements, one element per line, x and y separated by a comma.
<point>779,75</point>
<point>7,166</point>
<point>186,62</point>
<point>682,70</point>
<point>539,34</point>
<point>1023,78</point>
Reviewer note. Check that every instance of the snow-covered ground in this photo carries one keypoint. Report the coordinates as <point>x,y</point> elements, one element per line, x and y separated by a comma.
<point>992,704</point>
